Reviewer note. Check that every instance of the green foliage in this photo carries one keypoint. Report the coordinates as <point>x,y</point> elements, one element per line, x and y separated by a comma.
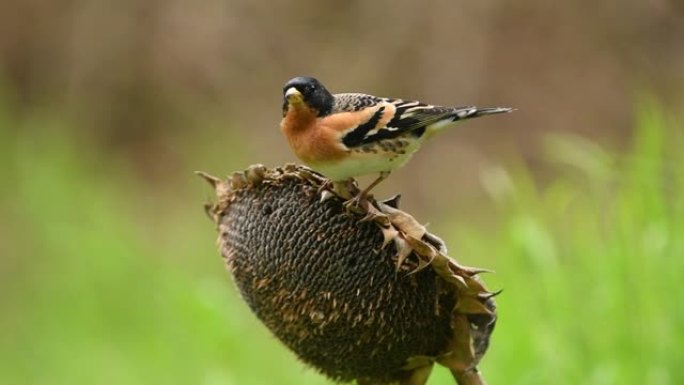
<point>111,281</point>
<point>590,263</point>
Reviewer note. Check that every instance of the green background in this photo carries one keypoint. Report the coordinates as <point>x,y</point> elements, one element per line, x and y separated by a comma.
<point>109,272</point>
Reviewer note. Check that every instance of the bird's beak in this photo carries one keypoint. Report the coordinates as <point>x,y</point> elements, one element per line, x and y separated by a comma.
<point>293,96</point>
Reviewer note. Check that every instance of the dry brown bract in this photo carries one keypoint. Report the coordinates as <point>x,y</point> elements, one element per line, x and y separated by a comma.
<point>369,296</point>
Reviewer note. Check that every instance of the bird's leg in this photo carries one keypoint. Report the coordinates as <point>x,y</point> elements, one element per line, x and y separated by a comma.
<point>327,185</point>
<point>360,198</point>
<point>326,190</point>
<point>331,188</point>
<point>343,188</point>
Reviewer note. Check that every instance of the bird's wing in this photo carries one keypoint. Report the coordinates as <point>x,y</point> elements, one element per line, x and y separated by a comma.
<point>392,118</point>
<point>379,118</point>
<point>417,117</point>
<point>352,102</point>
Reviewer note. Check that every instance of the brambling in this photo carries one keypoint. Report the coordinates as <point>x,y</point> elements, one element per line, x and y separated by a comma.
<point>343,136</point>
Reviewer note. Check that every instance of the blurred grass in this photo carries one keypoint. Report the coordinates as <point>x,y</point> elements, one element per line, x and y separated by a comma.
<point>591,263</point>
<point>110,280</point>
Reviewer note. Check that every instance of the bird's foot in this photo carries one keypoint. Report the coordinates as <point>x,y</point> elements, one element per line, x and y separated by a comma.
<point>325,186</point>
<point>326,191</point>
<point>358,204</point>
<point>373,214</point>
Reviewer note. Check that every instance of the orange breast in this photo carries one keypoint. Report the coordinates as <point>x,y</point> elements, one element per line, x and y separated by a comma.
<point>318,140</point>
<point>311,141</point>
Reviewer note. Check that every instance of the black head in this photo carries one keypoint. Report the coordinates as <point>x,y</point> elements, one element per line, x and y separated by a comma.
<point>309,91</point>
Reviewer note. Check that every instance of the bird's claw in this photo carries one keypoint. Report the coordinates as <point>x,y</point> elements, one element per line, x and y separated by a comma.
<point>374,215</point>
<point>325,187</point>
<point>357,204</point>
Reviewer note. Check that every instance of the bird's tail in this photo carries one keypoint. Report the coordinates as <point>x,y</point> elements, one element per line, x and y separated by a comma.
<point>475,112</point>
<point>457,114</point>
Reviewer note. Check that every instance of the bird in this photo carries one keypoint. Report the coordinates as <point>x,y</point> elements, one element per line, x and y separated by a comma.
<point>347,135</point>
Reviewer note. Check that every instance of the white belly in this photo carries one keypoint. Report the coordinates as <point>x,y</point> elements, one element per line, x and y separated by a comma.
<point>364,163</point>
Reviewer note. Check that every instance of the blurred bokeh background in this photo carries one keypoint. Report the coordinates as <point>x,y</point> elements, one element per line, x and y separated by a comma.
<point>108,267</point>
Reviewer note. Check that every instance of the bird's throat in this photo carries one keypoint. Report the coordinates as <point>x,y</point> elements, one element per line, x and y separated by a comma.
<point>298,118</point>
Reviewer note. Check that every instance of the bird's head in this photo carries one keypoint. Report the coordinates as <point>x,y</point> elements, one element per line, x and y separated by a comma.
<point>305,91</point>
